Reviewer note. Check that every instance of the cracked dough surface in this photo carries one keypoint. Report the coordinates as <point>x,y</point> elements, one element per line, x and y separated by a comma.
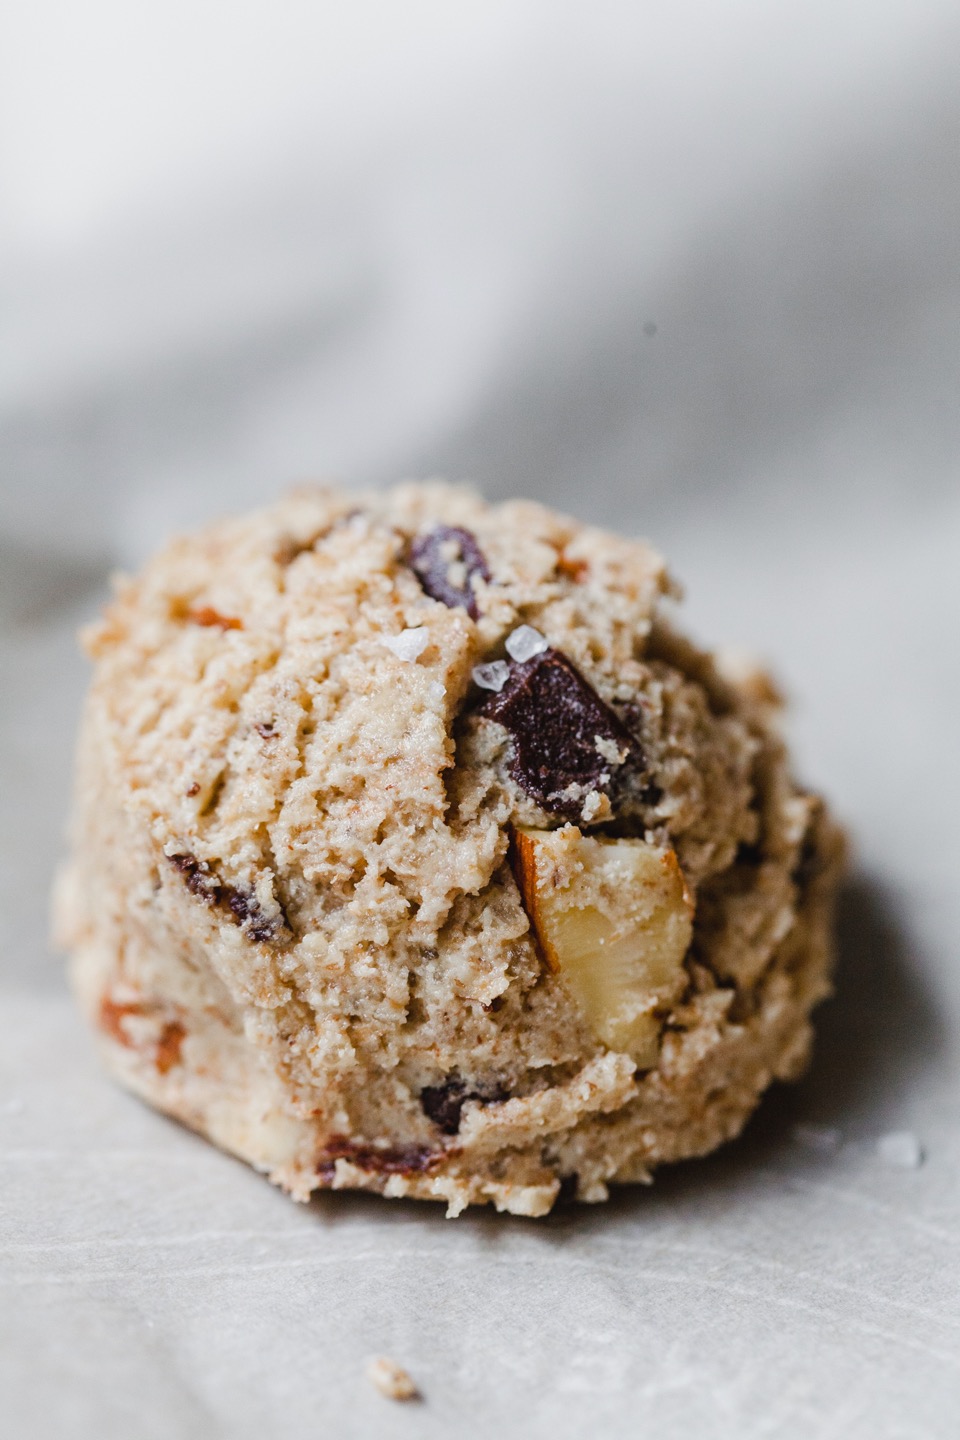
<point>291,906</point>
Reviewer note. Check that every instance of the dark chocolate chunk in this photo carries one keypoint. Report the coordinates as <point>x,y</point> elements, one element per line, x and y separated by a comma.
<point>443,1104</point>
<point>198,877</point>
<point>246,910</point>
<point>556,720</point>
<point>433,556</point>
<point>201,880</point>
<point>380,1159</point>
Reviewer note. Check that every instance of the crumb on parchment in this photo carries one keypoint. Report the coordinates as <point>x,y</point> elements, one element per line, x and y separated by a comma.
<point>391,1379</point>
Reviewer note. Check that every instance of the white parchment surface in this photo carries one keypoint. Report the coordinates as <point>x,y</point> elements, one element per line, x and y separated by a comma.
<point>693,273</point>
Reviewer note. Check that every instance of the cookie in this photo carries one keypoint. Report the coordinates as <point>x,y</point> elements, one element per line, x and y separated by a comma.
<point>415,850</point>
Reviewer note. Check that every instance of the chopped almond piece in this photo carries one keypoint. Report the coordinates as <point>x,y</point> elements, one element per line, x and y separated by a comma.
<point>614,919</point>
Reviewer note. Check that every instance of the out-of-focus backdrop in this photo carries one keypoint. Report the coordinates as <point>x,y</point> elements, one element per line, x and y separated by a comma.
<point>688,269</point>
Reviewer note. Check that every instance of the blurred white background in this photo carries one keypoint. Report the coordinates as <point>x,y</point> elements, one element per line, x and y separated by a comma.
<point>242,244</point>
<point>690,269</point>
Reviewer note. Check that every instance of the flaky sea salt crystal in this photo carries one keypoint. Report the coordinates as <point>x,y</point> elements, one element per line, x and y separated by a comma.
<point>409,643</point>
<point>900,1148</point>
<point>525,642</point>
<point>492,676</point>
<point>437,691</point>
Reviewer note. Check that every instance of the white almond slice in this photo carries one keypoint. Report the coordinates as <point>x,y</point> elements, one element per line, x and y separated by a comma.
<point>614,919</point>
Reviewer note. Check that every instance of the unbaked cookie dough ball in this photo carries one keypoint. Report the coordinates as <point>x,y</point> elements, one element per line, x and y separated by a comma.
<point>416,851</point>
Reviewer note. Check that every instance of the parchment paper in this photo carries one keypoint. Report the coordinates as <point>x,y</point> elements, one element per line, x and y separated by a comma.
<point>693,279</point>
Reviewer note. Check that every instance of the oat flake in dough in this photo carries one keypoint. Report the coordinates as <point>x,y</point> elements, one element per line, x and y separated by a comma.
<point>327,909</point>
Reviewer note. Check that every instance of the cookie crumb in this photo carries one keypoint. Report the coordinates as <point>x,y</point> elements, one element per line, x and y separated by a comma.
<point>595,805</point>
<point>409,644</point>
<point>900,1149</point>
<point>391,1379</point>
<point>610,751</point>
